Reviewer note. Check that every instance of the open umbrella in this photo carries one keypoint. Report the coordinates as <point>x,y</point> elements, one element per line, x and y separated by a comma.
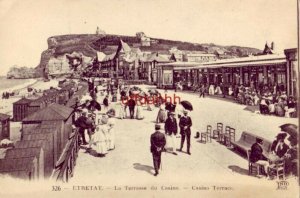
<point>291,129</point>
<point>168,106</point>
<point>187,105</point>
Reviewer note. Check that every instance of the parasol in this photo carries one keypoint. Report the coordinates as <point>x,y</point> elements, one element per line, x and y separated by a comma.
<point>187,105</point>
<point>291,129</point>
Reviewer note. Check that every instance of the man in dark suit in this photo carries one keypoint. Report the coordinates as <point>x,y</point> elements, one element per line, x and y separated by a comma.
<point>256,155</point>
<point>131,104</point>
<point>185,124</point>
<point>82,124</point>
<point>158,142</point>
<point>171,131</point>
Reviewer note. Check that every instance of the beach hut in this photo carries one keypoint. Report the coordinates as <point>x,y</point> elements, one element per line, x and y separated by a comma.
<point>23,168</point>
<point>4,126</point>
<point>53,115</point>
<point>20,109</point>
<point>51,95</point>
<point>36,104</point>
<point>40,143</point>
<point>51,139</point>
<point>28,152</point>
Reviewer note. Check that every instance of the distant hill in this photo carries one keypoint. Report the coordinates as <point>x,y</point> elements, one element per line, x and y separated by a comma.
<point>89,44</point>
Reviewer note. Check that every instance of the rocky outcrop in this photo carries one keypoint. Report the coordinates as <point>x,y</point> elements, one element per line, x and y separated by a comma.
<point>54,60</point>
<point>22,72</point>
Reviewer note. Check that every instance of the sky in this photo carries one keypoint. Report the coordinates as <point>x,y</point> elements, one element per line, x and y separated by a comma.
<point>26,24</point>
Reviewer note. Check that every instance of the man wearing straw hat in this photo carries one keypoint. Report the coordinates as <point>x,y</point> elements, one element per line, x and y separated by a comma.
<point>185,124</point>
<point>158,142</point>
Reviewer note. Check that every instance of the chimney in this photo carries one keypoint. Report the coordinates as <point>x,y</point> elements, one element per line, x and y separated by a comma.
<point>272,46</point>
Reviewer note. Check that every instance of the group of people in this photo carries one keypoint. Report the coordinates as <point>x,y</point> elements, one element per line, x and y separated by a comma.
<point>95,123</point>
<point>166,140</point>
<point>6,95</point>
<point>270,101</point>
<point>130,107</point>
<point>280,152</point>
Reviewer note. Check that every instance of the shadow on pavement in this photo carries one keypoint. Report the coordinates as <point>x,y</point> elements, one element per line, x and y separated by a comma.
<point>142,167</point>
<point>238,169</point>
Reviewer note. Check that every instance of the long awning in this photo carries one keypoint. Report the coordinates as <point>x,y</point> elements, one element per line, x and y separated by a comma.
<point>272,59</point>
<point>244,64</point>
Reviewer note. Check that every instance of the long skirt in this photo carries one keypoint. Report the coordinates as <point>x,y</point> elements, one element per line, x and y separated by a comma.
<point>139,114</point>
<point>161,116</point>
<point>99,140</point>
<point>100,147</point>
<point>171,143</point>
<point>111,139</point>
<point>122,113</point>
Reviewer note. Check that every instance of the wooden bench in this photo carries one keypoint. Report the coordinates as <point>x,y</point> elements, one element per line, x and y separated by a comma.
<point>248,139</point>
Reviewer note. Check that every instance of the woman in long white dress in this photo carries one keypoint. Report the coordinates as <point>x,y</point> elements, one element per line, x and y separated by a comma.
<point>122,113</point>
<point>111,134</point>
<point>100,140</point>
<point>139,113</point>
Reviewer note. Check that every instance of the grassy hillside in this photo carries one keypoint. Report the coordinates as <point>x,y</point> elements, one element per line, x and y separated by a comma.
<point>89,44</point>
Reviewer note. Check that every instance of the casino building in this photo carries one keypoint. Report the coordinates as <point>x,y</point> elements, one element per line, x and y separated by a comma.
<point>268,69</point>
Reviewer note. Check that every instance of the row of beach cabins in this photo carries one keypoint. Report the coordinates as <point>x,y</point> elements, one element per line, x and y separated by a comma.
<point>48,146</point>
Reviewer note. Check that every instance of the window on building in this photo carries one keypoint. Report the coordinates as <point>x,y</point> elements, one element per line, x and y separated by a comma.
<point>281,78</point>
<point>168,77</point>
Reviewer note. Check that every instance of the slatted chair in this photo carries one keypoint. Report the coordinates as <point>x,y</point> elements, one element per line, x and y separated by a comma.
<point>218,131</point>
<point>205,136</point>
<point>253,168</point>
<point>230,137</point>
<point>222,136</point>
<point>277,170</point>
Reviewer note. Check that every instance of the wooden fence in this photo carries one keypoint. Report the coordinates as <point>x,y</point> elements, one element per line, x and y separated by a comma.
<point>64,167</point>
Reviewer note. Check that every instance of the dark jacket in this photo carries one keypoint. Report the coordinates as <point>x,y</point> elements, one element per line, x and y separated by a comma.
<point>94,105</point>
<point>131,103</point>
<point>280,152</point>
<point>158,142</point>
<point>105,101</point>
<point>185,121</point>
<point>82,123</point>
<point>256,153</point>
<point>171,126</point>
<point>123,93</point>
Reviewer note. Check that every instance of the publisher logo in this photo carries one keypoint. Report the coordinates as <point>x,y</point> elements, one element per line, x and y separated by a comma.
<point>282,185</point>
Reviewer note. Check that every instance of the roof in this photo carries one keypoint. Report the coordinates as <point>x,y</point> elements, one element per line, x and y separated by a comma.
<point>233,62</point>
<point>52,112</point>
<point>180,64</point>
<point>4,116</point>
<point>22,152</point>
<point>38,101</point>
<point>154,57</point>
<point>124,47</point>
<point>100,56</point>
<point>197,55</point>
<point>16,164</point>
<point>249,59</point>
<point>30,143</point>
<point>23,101</point>
<point>109,57</point>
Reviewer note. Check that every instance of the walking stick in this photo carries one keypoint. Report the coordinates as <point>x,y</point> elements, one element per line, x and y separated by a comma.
<point>161,163</point>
